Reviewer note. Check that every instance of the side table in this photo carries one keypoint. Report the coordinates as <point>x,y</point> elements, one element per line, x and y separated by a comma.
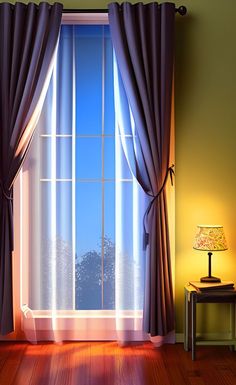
<point>192,297</point>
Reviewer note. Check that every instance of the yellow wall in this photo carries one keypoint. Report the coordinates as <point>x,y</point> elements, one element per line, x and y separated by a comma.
<point>205,140</point>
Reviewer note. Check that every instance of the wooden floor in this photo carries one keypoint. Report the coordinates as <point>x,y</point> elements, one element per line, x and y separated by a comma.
<point>105,363</point>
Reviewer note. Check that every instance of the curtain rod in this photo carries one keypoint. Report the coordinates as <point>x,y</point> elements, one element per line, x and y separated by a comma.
<point>182,10</point>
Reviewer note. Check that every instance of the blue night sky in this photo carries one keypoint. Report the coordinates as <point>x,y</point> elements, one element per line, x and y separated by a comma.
<point>91,43</point>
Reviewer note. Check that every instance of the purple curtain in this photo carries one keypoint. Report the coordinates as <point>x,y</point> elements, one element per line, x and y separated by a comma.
<point>28,40</point>
<point>143,40</point>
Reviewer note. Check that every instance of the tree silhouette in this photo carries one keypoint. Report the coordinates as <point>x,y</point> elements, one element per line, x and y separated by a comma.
<point>89,278</point>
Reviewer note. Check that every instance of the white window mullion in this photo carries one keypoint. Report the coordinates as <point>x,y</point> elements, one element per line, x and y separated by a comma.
<point>73,167</point>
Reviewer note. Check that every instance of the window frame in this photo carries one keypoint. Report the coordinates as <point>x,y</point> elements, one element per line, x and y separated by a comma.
<point>42,318</point>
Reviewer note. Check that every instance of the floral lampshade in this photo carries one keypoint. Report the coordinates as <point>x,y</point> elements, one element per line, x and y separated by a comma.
<point>210,238</point>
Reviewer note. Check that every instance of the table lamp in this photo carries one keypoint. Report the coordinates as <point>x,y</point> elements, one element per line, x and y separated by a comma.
<point>210,238</point>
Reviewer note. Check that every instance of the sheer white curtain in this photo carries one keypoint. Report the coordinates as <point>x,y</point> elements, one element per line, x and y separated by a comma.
<point>131,203</point>
<point>82,258</point>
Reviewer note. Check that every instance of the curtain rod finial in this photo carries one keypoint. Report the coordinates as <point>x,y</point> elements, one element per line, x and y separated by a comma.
<point>182,10</point>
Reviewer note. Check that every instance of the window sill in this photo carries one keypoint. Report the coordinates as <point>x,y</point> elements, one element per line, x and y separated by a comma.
<point>90,325</point>
<point>30,313</point>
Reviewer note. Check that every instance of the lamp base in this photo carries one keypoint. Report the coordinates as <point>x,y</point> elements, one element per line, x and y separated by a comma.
<point>210,279</point>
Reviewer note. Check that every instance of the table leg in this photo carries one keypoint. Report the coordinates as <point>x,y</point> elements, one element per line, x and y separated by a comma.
<point>193,323</point>
<point>232,324</point>
<point>186,321</point>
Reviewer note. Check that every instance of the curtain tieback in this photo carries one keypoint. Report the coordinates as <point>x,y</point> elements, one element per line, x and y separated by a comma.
<point>6,195</point>
<point>170,171</point>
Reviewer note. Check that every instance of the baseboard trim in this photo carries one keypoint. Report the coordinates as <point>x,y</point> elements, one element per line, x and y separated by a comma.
<point>179,337</point>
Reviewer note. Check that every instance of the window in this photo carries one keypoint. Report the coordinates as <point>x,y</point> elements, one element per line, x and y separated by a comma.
<point>69,176</point>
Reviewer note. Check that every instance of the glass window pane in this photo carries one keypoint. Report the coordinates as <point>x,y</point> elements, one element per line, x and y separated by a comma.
<point>122,167</point>
<point>46,286</point>
<point>64,158</point>
<point>45,157</point>
<point>88,245</point>
<point>124,252</point>
<point>126,211</point>
<point>64,214</point>
<point>64,85</point>
<point>109,210</point>
<point>63,89</point>
<point>88,158</point>
<point>45,120</point>
<point>64,258</point>
<point>65,81</point>
<point>88,59</point>
<point>109,157</point>
<point>44,289</point>
<point>56,279</point>
<point>109,113</point>
<point>45,204</point>
<point>31,242</point>
<point>109,246</point>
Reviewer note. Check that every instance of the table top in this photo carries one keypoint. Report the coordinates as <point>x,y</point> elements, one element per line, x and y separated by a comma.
<point>212,295</point>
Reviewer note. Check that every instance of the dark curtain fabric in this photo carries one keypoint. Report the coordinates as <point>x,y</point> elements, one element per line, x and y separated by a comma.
<point>143,40</point>
<point>28,40</point>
